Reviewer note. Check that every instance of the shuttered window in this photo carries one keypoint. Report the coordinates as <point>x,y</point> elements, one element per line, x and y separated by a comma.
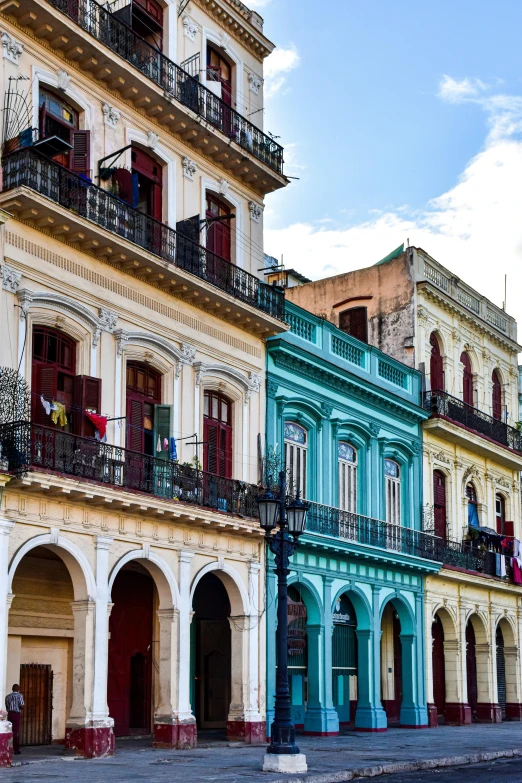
<point>162,426</point>
<point>217,434</point>
<point>143,395</point>
<point>296,453</point>
<point>439,503</point>
<point>81,152</point>
<point>496,402</point>
<point>436,365</point>
<point>392,473</point>
<point>218,227</point>
<point>87,397</point>
<point>347,463</point>
<point>54,364</point>
<point>467,381</point>
<point>355,322</point>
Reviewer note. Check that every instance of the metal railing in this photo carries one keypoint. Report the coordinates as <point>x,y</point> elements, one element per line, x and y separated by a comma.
<point>27,167</point>
<point>27,445</point>
<point>173,80</point>
<point>440,403</point>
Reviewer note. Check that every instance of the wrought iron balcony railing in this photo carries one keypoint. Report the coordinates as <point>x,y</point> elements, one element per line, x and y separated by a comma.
<point>28,168</point>
<point>440,403</point>
<point>173,80</point>
<point>26,445</point>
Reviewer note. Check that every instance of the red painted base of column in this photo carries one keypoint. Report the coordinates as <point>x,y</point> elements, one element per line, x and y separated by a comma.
<point>6,748</point>
<point>180,736</point>
<point>433,716</point>
<point>513,711</point>
<point>243,731</point>
<point>456,714</point>
<point>488,713</point>
<point>92,743</point>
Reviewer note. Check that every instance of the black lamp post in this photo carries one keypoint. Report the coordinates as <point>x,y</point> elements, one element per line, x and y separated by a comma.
<point>290,521</point>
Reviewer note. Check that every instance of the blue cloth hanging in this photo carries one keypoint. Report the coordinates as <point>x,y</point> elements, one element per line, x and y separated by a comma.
<point>473,520</point>
<point>173,450</point>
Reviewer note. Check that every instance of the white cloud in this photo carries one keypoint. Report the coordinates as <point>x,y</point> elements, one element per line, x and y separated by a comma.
<point>474,228</point>
<point>455,91</point>
<point>276,68</point>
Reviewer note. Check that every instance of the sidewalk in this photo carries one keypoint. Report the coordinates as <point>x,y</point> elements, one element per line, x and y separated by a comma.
<point>330,759</point>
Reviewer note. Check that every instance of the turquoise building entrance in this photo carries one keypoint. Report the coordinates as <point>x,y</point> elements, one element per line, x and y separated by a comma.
<point>344,420</point>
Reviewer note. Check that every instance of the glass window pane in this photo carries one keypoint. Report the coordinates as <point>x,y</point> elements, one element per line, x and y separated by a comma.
<point>215,408</point>
<point>224,411</point>
<point>52,348</point>
<point>140,380</point>
<point>347,452</point>
<point>206,405</point>
<point>148,416</point>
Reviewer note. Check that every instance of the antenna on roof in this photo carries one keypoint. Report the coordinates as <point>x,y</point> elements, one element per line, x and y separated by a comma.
<point>504,306</point>
<point>408,242</point>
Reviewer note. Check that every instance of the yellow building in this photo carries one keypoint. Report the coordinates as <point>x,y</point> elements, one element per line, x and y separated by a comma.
<point>131,573</point>
<point>413,308</point>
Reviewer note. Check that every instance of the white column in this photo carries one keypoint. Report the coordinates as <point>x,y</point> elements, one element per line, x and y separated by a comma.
<point>100,709</point>
<point>6,525</point>
<point>252,700</point>
<point>167,683</point>
<point>197,395</point>
<point>82,664</point>
<point>246,418</point>
<point>175,407</point>
<point>184,711</point>
<point>119,432</point>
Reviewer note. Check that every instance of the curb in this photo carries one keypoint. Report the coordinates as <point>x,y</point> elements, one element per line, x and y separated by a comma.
<point>402,766</point>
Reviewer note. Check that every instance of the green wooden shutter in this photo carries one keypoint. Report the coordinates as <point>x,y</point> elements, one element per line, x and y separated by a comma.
<point>162,419</point>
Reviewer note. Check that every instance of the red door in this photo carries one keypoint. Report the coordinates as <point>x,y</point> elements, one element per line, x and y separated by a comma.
<point>467,389</point>
<point>143,393</point>
<point>497,396</point>
<point>439,503</point>
<point>218,227</point>
<point>148,173</point>
<point>217,435</point>
<point>439,671</point>
<point>436,365</point>
<point>500,514</point>
<point>130,654</point>
<point>471,669</point>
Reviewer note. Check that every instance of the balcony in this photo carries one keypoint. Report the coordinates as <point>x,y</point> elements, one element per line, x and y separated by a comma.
<point>444,407</point>
<point>27,447</point>
<point>49,196</point>
<point>84,31</point>
<point>466,555</point>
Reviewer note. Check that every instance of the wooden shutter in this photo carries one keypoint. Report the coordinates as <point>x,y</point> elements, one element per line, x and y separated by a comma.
<point>210,450</point>
<point>81,152</point>
<point>439,501</point>
<point>87,395</point>
<point>467,389</point>
<point>436,365</point>
<point>123,179</point>
<point>509,528</point>
<point>134,425</point>
<point>162,429</point>
<point>46,384</point>
<point>355,323</point>
<point>497,396</point>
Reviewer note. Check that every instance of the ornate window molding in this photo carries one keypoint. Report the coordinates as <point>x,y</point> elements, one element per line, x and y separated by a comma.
<point>250,383</point>
<point>179,356</point>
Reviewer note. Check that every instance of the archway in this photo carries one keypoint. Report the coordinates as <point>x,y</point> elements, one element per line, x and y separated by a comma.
<point>439,668</point>
<point>501,671</point>
<point>391,663</point>
<point>478,672</point>
<point>344,659</point>
<point>471,670</point>
<point>447,691</point>
<point>133,652</point>
<point>212,659</point>
<point>49,635</point>
<point>297,654</point>
<point>508,655</point>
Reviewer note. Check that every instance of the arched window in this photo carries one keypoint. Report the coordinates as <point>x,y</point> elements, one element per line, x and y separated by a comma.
<point>471,494</point>
<point>436,364</point>
<point>496,402</point>
<point>347,461</point>
<point>217,435</point>
<point>60,120</point>
<point>53,374</point>
<point>296,446</point>
<point>143,395</point>
<point>218,227</point>
<point>467,386</point>
<point>392,474</point>
<point>354,321</point>
<point>439,503</point>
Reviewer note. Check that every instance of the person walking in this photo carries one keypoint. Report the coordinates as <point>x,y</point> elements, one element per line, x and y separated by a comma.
<point>14,703</point>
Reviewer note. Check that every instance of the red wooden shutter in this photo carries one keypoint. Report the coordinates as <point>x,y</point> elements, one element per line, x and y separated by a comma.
<point>228,453</point>
<point>123,179</point>
<point>436,365</point>
<point>210,452</point>
<point>497,396</point>
<point>355,323</point>
<point>46,385</point>
<point>509,529</point>
<point>134,425</point>
<point>81,152</point>
<point>467,395</point>
<point>87,395</point>
<point>43,114</point>
<point>439,503</point>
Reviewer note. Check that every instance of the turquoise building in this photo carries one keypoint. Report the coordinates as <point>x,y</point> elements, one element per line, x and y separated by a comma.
<point>345,419</point>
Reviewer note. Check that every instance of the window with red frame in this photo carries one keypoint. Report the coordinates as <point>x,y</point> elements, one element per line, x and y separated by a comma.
<point>467,387</point>
<point>220,70</point>
<point>439,503</point>
<point>496,396</point>
<point>218,230</point>
<point>436,364</point>
<point>217,435</point>
<point>58,118</point>
<point>143,393</point>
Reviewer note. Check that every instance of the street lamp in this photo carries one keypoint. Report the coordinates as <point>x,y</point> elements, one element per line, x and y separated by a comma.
<point>289,521</point>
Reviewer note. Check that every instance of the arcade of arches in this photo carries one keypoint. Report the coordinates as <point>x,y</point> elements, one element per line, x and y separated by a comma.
<point>474,670</point>
<point>148,642</point>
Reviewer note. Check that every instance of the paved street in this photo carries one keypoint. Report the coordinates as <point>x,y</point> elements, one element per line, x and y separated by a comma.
<point>502,771</point>
<point>216,761</point>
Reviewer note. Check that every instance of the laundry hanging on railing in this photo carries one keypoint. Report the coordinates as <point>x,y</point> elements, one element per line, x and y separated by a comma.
<point>58,413</point>
<point>100,425</point>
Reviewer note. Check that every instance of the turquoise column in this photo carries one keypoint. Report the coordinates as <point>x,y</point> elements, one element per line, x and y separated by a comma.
<point>413,709</point>
<point>374,481</point>
<point>370,715</point>
<point>271,622</point>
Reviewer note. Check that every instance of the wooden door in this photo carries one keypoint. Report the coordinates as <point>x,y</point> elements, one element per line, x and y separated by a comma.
<point>36,686</point>
<point>439,503</point>
<point>471,669</point>
<point>218,231</point>
<point>496,402</point>
<point>436,365</point>
<point>467,387</point>
<point>439,669</point>
<point>130,654</point>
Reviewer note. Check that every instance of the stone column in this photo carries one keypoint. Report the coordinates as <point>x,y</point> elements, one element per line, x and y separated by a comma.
<point>462,673</point>
<point>432,709</point>
<point>488,709</point>
<point>413,709</point>
<point>513,685</point>
<point>236,721</point>
<point>6,734</point>
<point>187,733</point>
<point>456,712</point>
<point>166,734</point>
<point>321,717</point>
<point>254,723</point>
<point>370,715</point>
<point>79,735</point>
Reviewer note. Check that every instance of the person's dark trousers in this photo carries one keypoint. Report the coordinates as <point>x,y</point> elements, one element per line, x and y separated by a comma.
<point>14,717</point>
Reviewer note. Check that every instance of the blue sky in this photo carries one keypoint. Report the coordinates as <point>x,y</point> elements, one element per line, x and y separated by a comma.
<point>402,119</point>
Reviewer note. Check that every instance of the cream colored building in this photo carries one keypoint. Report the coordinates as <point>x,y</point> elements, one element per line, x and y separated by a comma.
<point>132,582</point>
<point>416,310</point>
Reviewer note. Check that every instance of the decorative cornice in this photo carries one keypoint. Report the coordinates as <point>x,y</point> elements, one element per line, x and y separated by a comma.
<point>244,25</point>
<point>183,356</point>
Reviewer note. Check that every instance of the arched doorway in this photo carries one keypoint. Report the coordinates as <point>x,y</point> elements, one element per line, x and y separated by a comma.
<point>344,659</point>
<point>471,670</point>
<point>132,653</point>
<point>436,364</point>
<point>501,671</point>
<point>212,658</point>
<point>297,655</point>
<point>439,504</point>
<point>391,663</point>
<point>439,668</point>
